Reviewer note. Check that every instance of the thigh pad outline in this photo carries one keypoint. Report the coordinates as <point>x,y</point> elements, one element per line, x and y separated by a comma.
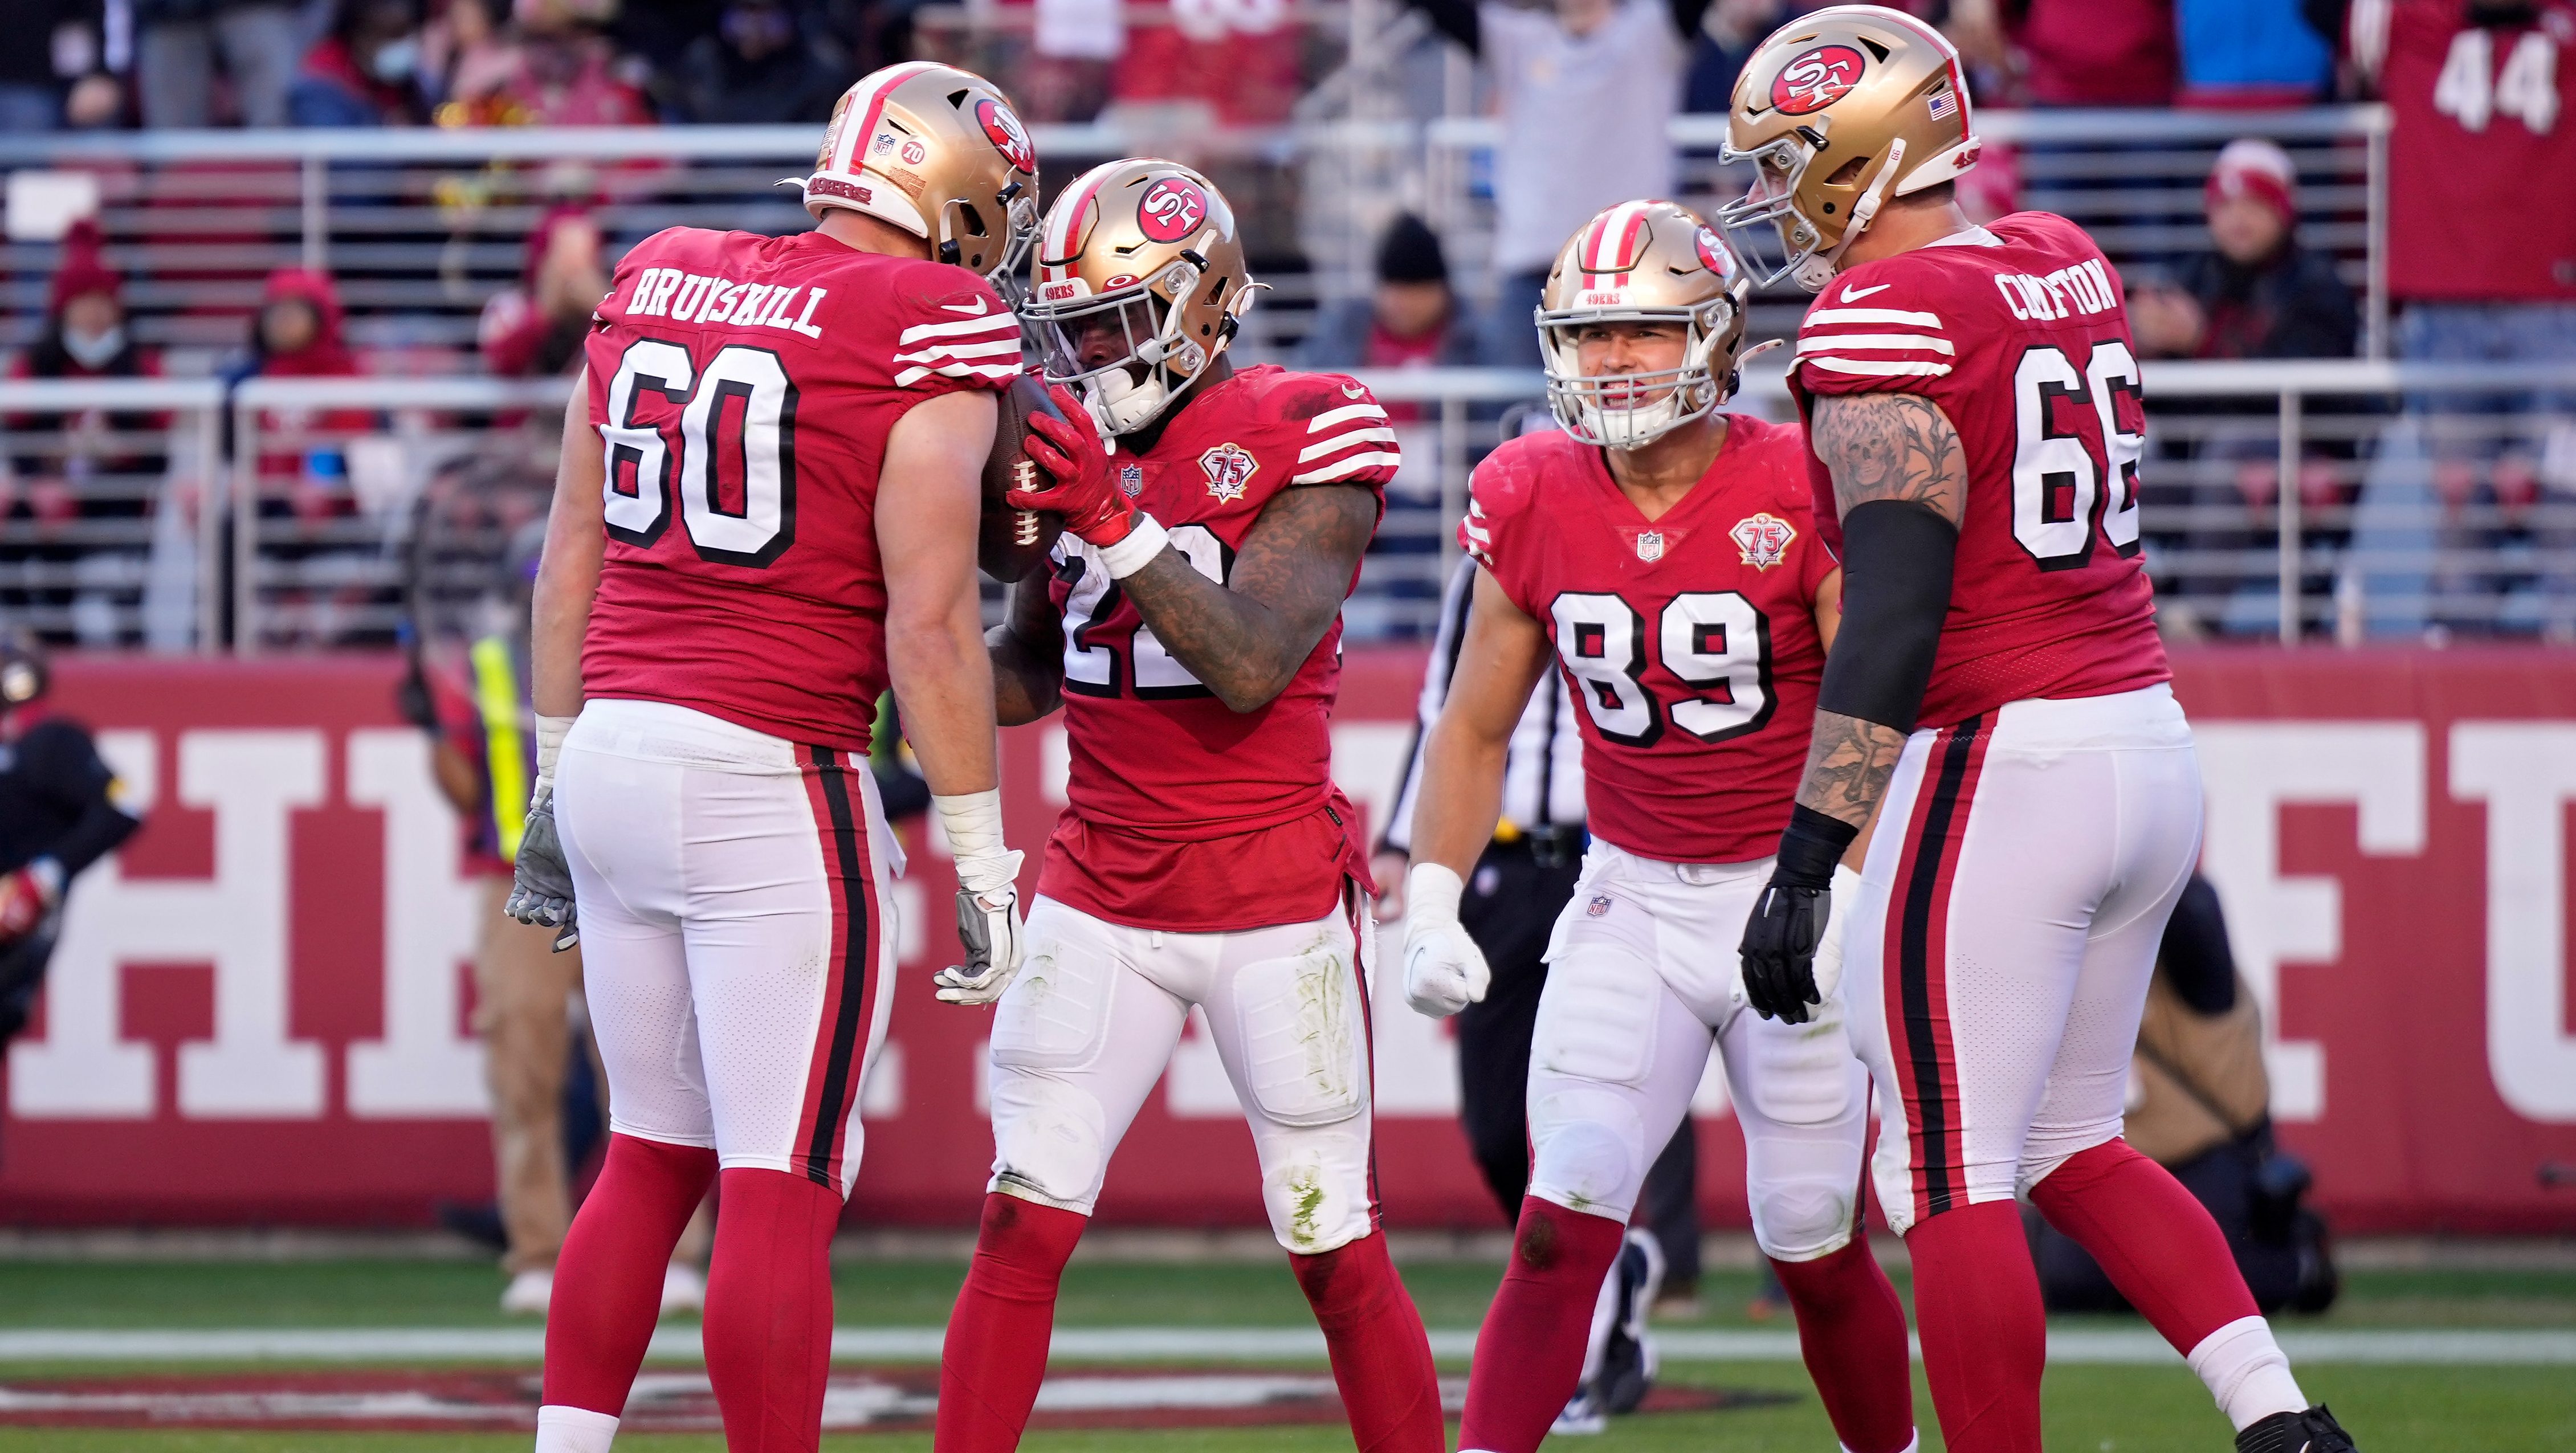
<point>1596,1017</point>
<point>1055,1015</point>
<point>1305,1055</point>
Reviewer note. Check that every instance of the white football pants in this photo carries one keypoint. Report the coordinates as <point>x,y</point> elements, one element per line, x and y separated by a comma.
<point>737,937</point>
<point>2007,925</point>
<point>1642,979</point>
<point>1084,1033</point>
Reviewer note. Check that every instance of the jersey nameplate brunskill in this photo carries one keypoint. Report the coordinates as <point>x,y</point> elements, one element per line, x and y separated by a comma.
<point>2017,331</point>
<point>744,386</point>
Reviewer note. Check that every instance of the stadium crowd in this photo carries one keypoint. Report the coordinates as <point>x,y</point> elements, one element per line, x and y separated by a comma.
<point>1577,132</point>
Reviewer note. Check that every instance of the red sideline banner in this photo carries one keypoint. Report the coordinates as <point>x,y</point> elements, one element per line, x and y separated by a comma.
<point>259,1011</point>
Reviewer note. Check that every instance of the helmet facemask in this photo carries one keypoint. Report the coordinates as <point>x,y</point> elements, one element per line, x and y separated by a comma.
<point>966,239</point>
<point>1150,361</point>
<point>1631,410</point>
<point>1772,236</point>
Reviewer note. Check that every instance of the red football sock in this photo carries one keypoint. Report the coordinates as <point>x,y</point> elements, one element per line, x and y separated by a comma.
<point>1851,1329</point>
<point>1529,1353</point>
<point>1985,1335</point>
<point>2153,1238</point>
<point>769,1309</point>
<point>1381,1359</point>
<point>996,1351</point>
<point>608,1279</point>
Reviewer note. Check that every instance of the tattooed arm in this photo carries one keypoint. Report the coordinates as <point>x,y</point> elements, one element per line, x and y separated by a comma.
<point>1246,639</point>
<point>1028,654</point>
<point>1899,455</point>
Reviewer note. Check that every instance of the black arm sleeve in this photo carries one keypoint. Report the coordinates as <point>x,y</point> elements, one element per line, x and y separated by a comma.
<point>1455,19</point>
<point>1896,589</point>
<point>64,763</point>
<point>2195,956</point>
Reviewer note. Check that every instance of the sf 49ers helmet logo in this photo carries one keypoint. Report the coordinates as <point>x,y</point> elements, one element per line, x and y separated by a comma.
<point>1815,79</point>
<point>1229,468</point>
<point>1713,254</point>
<point>1008,136</point>
<point>1171,209</point>
<point>1764,539</point>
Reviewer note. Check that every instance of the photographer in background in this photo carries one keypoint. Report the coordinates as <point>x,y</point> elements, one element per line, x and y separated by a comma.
<point>2200,1106</point>
<point>61,809</point>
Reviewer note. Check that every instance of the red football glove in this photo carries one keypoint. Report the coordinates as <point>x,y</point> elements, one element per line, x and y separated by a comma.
<point>26,896</point>
<point>1081,489</point>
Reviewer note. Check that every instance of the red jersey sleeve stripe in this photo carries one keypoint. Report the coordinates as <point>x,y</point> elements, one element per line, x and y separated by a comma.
<point>1874,368</point>
<point>1871,315</point>
<point>1340,442</point>
<point>1355,464</point>
<point>1329,417</point>
<point>1902,342</point>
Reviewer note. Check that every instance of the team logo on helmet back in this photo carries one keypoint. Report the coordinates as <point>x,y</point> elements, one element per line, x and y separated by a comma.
<point>1171,209</point>
<point>1815,79</point>
<point>1009,137</point>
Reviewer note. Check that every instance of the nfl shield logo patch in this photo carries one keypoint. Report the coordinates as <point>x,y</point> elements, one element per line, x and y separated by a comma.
<point>1599,907</point>
<point>1131,479</point>
<point>1229,468</point>
<point>1764,539</point>
<point>1650,545</point>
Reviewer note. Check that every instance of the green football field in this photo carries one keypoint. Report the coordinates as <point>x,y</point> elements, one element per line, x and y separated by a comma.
<point>2497,1369</point>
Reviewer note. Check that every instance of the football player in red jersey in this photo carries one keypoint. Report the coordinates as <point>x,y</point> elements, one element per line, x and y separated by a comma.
<point>1997,697</point>
<point>766,512</point>
<point>1661,553</point>
<point>1191,633</point>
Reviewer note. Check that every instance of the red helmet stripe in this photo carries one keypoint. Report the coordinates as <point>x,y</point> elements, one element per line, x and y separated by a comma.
<point>1600,254</point>
<point>1067,217</point>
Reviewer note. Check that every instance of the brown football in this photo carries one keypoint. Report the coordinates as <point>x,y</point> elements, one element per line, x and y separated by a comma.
<point>1014,542</point>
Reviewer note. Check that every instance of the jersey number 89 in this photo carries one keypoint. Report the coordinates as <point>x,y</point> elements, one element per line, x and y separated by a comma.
<point>1714,641</point>
<point>645,465</point>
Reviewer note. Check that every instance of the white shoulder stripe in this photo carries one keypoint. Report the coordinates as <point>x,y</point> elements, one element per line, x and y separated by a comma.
<point>1329,417</point>
<point>1346,467</point>
<point>1874,315</point>
<point>1340,442</point>
<point>994,348</point>
<point>1923,341</point>
<point>910,376</point>
<point>998,319</point>
<point>1880,370</point>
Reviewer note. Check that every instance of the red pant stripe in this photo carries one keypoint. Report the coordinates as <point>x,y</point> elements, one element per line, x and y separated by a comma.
<point>1918,946</point>
<point>849,999</point>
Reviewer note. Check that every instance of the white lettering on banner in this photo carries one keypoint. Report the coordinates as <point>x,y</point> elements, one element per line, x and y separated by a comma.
<point>426,1064</point>
<point>2249,771</point>
<point>236,919</point>
<point>2525,774</point>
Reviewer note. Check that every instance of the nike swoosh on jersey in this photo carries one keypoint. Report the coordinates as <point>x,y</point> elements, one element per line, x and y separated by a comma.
<point>1853,295</point>
<point>977,311</point>
<point>1354,391</point>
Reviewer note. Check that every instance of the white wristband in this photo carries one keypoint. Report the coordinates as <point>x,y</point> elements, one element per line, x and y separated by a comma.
<point>551,731</point>
<point>1136,551</point>
<point>973,823</point>
<point>1431,891</point>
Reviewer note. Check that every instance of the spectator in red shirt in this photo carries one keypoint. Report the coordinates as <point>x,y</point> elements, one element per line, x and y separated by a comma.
<point>537,327</point>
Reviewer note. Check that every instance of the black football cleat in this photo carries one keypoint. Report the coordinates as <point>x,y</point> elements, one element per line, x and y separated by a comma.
<point>2314,1431</point>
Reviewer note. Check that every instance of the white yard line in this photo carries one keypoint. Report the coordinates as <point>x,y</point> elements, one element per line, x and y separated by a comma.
<point>2069,1346</point>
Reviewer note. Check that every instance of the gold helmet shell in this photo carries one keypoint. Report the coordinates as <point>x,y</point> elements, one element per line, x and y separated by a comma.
<point>1848,84</point>
<point>1148,248</point>
<point>1642,262</point>
<point>939,153</point>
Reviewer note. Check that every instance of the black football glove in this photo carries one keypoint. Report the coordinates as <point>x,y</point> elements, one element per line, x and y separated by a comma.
<point>1788,921</point>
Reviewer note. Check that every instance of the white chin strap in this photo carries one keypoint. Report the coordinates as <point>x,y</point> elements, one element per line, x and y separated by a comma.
<point>1817,271</point>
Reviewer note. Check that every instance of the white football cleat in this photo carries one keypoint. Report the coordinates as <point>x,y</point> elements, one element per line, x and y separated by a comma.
<point>684,1289</point>
<point>528,1293</point>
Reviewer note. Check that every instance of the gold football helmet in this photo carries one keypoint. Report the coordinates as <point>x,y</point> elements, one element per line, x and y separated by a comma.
<point>1140,284</point>
<point>939,153</point>
<point>1642,262</point>
<point>1852,83</point>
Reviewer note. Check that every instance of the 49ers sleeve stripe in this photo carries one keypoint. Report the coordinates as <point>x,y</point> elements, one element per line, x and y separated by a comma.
<point>915,374</point>
<point>1329,417</point>
<point>981,348</point>
<point>992,322</point>
<point>1871,369</point>
<point>1918,342</point>
<point>1871,315</point>
<point>1340,442</point>
<point>1388,459</point>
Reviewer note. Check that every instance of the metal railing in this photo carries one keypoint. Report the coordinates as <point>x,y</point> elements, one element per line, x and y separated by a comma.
<point>423,226</point>
<point>2421,501</point>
